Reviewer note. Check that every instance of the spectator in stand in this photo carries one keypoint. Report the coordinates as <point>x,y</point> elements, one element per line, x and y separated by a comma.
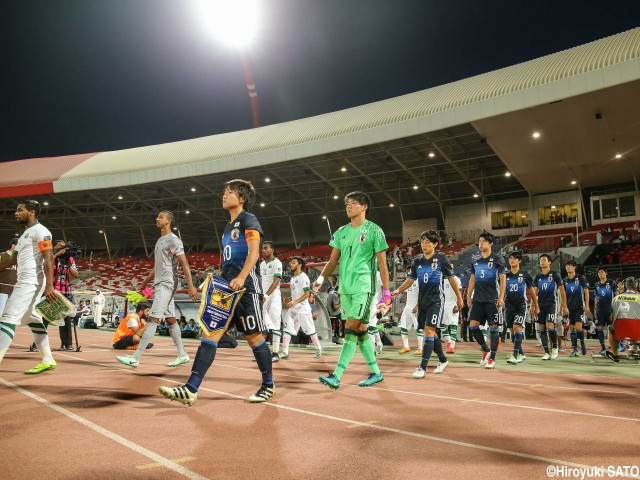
<point>98,302</point>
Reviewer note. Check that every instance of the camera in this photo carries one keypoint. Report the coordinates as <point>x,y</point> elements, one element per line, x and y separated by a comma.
<point>71,249</point>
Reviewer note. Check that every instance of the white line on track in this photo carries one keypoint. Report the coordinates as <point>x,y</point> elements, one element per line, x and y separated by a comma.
<point>109,434</point>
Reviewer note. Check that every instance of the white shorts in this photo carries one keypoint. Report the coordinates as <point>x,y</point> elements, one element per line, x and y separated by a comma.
<point>296,320</point>
<point>163,306</point>
<point>448,317</point>
<point>373,317</point>
<point>21,303</point>
<point>408,319</point>
<point>272,312</point>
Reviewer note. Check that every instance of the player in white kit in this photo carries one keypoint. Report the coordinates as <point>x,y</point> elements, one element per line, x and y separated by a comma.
<point>299,314</point>
<point>409,319</point>
<point>450,316</point>
<point>271,274</point>
<point>376,314</point>
<point>33,256</point>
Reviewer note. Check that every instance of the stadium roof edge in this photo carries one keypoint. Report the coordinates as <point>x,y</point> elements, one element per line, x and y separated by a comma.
<point>600,64</point>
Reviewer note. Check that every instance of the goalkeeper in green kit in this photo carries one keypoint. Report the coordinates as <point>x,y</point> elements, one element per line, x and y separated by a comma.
<point>361,248</point>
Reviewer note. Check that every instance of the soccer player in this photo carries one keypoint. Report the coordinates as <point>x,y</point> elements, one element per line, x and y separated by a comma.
<point>33,256</point>
<point>361,248</point>
<point>518,283</point>
<point>127,335</point>
<point>450,315</point>
<point>485,295</point>
<point>299,313</point>
<point>409,319</point>
<point>606,289</point>
<point>271,274</point>
<point>240,255</point>
<point>168,254</point>
<point>576,288</point>
<point>546,286</point>
<point>376,314</point>
<point>430,270</point>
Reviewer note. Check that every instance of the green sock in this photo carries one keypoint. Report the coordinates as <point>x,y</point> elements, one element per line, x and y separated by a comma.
<point>453,332</point>
<point>366,347</point>
<point>346,354</point>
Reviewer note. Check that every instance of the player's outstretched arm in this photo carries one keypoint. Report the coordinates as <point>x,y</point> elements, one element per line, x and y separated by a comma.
<point>328,269</point>
<point>148,278</point>
<point>406,284</point>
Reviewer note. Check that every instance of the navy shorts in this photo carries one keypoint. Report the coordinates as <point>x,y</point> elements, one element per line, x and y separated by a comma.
<point>247,316</point>
<point>603,318</point>
<point>576,316</point>
<point>547,314</point>
<point>430,317</point>
<point>484,312</point>
<point>514,315</point>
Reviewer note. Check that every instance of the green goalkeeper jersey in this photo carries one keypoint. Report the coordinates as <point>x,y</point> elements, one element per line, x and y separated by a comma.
<point>358,260</point>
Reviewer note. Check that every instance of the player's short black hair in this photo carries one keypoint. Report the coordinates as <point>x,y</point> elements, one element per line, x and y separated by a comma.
<point>244,189</point>
<point>300,260</point>
<point>142,306</point>
<point>430,235</point>
<point>619,280</point>
<point>487,236</point>
<point>602,268</point>
<point>547,256</point>
<point>360,197</point>
<point>170,216</point>
<point>271,244</point>
<point>31,205</point>
<point>516,255</point>
<point>572,263</point>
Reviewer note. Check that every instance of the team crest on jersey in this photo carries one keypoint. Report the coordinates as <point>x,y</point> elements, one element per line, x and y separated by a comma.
<point>235,234</point>
<point>434,265</point>
<point>237,224</point>
<point>551,278</point>
<point>520,279</point>
<point>362,238</point>
<point>490,264</point>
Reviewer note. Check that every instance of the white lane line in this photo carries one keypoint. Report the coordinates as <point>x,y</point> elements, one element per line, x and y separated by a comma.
<point>353,423</point>
<point>109,434</point>
<point>445,397</point>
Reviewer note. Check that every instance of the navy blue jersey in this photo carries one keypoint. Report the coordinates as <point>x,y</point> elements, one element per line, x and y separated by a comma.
<point>575,288</point>
<point>430,274</point>
<point>235,250</point>
<point>517,286</point>
<point>487,273</point>
<point>547,285</point>
<point>605,293</point>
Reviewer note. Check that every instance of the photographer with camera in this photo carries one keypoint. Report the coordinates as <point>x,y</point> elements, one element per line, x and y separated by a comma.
<point>64,268</point>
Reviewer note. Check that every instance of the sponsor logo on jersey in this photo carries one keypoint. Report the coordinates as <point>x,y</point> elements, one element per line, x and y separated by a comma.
<point>627,298</point>
<point>235,234</point>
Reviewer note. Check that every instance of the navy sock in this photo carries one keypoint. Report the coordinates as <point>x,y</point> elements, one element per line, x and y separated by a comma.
<point>263,359</point>
<point>437,348</point>
<point>600,332</point>
<point>477,334</point>
<point>494,334</point>
<point>574,340</point>
<point>553,335</point>
<point>580,334</point>
<point>204,358</point>
<point>544,338</point>
<point>517,343</point>
<point>427,350</point>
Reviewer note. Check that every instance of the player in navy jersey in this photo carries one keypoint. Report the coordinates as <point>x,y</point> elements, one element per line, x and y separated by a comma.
<point>240,255</point>
<point>606,289</point>
<point>485,295</point>
<point>577,290</point>
<point>547,285</point>
<point>519,282</point>
<point>430,270</point>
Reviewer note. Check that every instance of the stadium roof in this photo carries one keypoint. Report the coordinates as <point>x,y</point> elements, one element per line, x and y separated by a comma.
<point>451,141</point>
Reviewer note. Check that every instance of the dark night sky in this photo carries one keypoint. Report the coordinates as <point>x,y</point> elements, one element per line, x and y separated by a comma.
<point>84,76</point>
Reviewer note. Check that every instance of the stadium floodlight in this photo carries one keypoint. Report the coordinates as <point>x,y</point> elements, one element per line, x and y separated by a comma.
<point>232,22</point>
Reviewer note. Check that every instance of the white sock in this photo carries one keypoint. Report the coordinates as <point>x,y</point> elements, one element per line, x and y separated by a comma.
<point>405,340</point>
<point>176,336</point>
<point>145,339</point>
<point>286,339</point>
<point>420,339</point>
<point>42,342</point>
<point>276,341</point>
<point>2,352</point>
<point>315,341</point>
<point>377,337</point>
